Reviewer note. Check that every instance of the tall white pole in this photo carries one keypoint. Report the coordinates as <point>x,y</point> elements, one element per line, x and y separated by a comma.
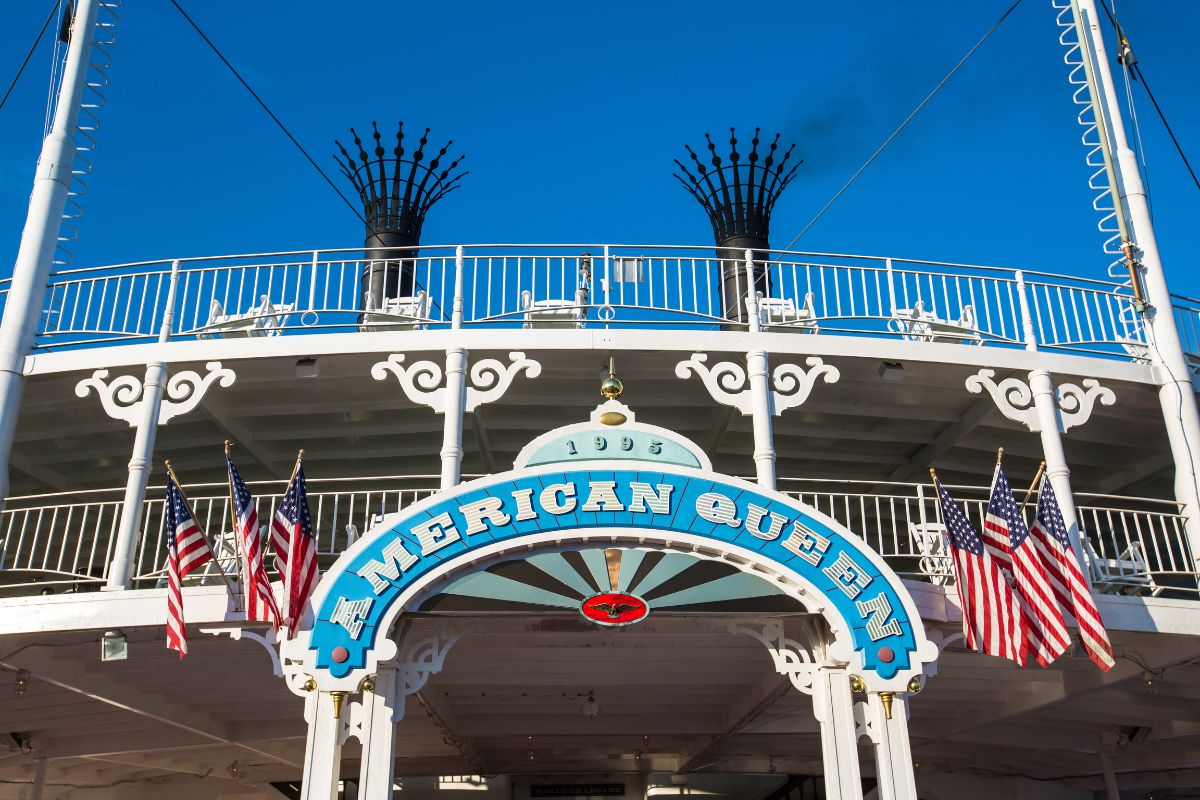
<point>758,371</point>
<point>31,271</point>
<point>1166,350</point>
<point>120,573</point>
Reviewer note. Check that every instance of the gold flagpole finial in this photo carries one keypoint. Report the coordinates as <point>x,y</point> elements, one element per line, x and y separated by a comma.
<point>228,444</point>
<point>933,473</point>
<point>999,455</point>
<point>300,455</point>
<point>612,387</point>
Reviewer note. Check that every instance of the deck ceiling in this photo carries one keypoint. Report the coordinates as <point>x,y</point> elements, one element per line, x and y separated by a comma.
<point>675,692</point>
<point>860,428</point>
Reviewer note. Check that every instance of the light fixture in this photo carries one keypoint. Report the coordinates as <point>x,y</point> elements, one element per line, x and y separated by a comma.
<point>590,708</point>
<point>891,370</point>
<point>306,368</point>
<point>114,646</point>
<point>22,682</point>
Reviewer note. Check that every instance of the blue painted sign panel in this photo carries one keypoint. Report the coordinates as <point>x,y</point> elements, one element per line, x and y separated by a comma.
<point>505,508</point>
<point>610,444</point>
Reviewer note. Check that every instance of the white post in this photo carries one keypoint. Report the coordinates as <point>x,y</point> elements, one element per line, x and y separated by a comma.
<point>120,573</point>
<point>456,315</point>
<point>1166,351</point>
<point>833,706</point>
<point>379,734</point>
<point>893,755</point>
<point>43,222</point>
<point>1110,777</point>
<point>323,748</point>
<point>758,370</point>
<point>39,779</point>
<point>456,400</point>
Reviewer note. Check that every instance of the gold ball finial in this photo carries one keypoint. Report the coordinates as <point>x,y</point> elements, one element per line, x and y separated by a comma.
<point>612,388</point>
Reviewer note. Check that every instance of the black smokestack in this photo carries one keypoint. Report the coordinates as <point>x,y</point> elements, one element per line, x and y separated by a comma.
<point>738,198</point>
<point>397,191</point>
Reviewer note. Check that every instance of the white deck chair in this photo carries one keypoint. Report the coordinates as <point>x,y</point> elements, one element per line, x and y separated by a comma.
<point>399,314</point>
<point>930,541</point>
<point>559,314</point>
<point>264,319</point>
<point>918,325</point>
<point>782,315</point>
<point>1128,573</point>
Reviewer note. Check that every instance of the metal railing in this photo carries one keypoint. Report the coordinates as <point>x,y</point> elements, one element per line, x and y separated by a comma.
<point>1134,544</point>
<point>595,286</point>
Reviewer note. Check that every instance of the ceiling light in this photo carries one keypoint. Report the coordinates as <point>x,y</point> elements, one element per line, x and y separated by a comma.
<point>306,368</point>
<point>114,646</point>
<point>590,708</point>
<point>22,681</point>
<point>891,371</point>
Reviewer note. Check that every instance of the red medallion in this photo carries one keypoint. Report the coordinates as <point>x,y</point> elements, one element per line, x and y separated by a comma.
<point>615,608</point>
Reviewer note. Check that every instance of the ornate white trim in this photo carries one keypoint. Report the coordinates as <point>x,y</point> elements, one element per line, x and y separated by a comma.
<point>267,643</point>
<point>791,659</point>
<point>864,722</point>
<point>422,381</point>
<point>122,397</point>
<point>727,384</point>
<point>1012,396</point>
<point>1075,403</point>
<point>424,659</point>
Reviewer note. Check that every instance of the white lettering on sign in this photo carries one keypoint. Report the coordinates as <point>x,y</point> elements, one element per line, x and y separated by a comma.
<point>754,518</point>
<point>481,513</point>
<point>436,533</point>
<point>644,495</point>
<point>602,496</point>
<point>875,611</point>
<point>396,559</point>
<point>550,502</point>
<point>350,614</point>
<point>717,508</point>
<point>806,543</point>
<point>848,575</point>
<point>524,504</point>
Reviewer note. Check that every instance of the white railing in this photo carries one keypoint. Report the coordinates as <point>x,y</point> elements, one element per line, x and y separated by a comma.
<point>597,286</point>
<point>1135,543</point>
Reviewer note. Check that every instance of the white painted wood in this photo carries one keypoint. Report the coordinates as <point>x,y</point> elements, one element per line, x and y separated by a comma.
<point>382,709</point>
<point>833,706</point>
<point>893,754</point>
<point>323,748</point>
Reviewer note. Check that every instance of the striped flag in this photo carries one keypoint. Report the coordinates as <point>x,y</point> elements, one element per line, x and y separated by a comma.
<point>1066,578</point>
<point>293,524</point>
<point>260,601</point>
<point>1007,539</point>
<point>187,549</point>
<point>992,619</point>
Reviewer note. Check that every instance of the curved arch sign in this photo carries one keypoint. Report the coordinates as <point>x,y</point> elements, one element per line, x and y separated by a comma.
<point>872,615</point>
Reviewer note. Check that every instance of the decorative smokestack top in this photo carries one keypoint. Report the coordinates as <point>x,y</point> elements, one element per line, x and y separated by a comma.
<point>737,196</point>
<point>397,191</point>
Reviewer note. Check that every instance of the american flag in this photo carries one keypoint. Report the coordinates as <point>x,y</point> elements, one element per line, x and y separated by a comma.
<point>187,549</point>
<point>992,619</point>
<point>298,562</point>
<point>1066,578</point>
<point>1046,633</point>
<point>260,602</point>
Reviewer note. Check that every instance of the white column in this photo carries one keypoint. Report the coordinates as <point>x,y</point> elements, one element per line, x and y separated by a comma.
<point>120,572</point>
<point>758,370</point>
<point>893,755</point>
<point>39,780</point>
<point>456,400</point>
<point>43,222</point>
<point>1110,777</point>
<point>833,706</point>
<point>1176,395</point>
<point>323,748</point>
<point>379,734</point>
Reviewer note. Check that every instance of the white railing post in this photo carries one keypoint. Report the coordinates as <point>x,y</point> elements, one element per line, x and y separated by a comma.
<point>312,283</point>
<point>891,287</point>
<point>758,370</point>
<point>39,239</point>
<point>120,572</point>
<point>1026,318</point>
<point>456,314</point>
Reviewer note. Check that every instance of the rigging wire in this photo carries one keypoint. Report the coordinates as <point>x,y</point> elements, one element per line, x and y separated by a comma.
<point>1136,69</point>
<point>29,55</point>
<point>267,109</point>
<point>903,124</point>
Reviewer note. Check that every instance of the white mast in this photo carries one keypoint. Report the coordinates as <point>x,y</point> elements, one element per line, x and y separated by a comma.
<point>1175,393</point>
<point>31,271</point>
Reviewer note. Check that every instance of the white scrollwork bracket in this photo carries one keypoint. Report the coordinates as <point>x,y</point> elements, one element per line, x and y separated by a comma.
<point>123,396</point>
<point>425,658</point>
<point>1012,396</point>
<point>790,658</point>
<point>1075,403</point>
<point>422,381</point>
<point>726,382</point>
<point>267,641</point>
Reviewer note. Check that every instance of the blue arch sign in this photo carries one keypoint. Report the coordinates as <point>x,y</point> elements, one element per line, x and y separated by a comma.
<point>358,598</point>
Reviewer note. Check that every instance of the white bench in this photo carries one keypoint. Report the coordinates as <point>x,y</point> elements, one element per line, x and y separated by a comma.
<point>1128,573</point>
<point>918,325</point>
<point>398,313</point>
<point>782,315</point>
<point>560,314</point>
<point>264,319</point>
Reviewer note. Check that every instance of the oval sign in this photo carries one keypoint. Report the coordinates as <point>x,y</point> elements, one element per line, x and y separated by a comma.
<point>615,608</point>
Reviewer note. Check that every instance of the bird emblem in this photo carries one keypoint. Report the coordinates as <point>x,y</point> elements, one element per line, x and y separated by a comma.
<point>614,608</point>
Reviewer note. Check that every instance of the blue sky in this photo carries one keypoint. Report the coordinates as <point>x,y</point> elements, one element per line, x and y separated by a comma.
<point>570,115</point>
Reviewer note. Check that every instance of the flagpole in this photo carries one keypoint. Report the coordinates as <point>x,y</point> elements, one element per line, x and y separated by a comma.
<point>1037,478</point>
<point>203,532</point>
<point>287,576</point>
<point>237,534</point>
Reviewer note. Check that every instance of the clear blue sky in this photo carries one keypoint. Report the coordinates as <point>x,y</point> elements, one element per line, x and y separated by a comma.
<point>571,113</point>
